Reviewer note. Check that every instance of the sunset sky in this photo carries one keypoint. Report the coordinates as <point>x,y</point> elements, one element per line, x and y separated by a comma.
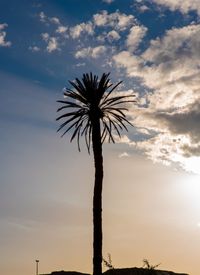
<point>151,194</point>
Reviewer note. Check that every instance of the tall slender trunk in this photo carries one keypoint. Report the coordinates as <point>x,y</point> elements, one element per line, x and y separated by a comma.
<point>97,198</point>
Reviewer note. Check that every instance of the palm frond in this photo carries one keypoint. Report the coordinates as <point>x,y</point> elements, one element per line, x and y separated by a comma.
<point>116,99</point>
<point>108,94</point>
<point>90,96</point>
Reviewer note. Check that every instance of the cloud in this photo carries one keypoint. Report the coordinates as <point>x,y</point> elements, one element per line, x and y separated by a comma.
<point>173,134</point>
<point>184,6</point>
<point>77,30</point>
<point>168,149</point>
<point>169,66</point>
<point>34,48</point>
<point>124,155</point>
<point>45,19</point>
<point>108,1</point>
<point>123,139</point>
<point>169,69</point>
<point>55,20</point>
<point>160,148</point>
<point>80,64</point>
<point>58,33</point>
<point>110,36</point>
<point>135,37</point>
<point>3,42</point>
<point>52,42</point>
<point>113,36</point>
<point>61,29</point>
<point>191,150</point>
<point>143,8</point>
<point>45,36</point>
<point>167,59</point>
<point>182,122</point>
<point>111,24</point>
<point>90,52</point>
<point>117,20</point>
<point>128,61</point>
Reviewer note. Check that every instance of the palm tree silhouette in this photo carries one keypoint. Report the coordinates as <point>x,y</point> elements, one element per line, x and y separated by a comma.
<point>95,114</point>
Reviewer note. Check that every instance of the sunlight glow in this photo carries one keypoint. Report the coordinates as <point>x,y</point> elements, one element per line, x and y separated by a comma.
<point>192,164</point>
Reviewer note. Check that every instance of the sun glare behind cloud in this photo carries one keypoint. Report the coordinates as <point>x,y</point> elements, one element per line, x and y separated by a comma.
<point>192,164</point>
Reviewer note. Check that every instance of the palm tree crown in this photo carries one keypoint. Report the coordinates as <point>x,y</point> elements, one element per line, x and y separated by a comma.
<point>91,99</point>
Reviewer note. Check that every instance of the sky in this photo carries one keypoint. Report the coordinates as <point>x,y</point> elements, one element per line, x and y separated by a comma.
<point>151,205</point>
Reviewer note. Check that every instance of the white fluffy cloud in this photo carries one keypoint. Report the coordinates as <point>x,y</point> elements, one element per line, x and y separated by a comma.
<point>57,37</point>
<point>55,20</point>
<point>103,27</point>
<point>3,42</point>
<point>45,19</point>
<point>172,61</point>
<point>77,30</point>
<point>90,52</point>
<point>113,35</point>
<point>128,61</point>
<point>62,29</point>
<point>52,42</point>
<point>118,21</point>
<point>183,5</point>
<point>135,36</point>
<point>110,36</point>
<point>143,8</point>
<point>45,36</point>
<point>170,67</point>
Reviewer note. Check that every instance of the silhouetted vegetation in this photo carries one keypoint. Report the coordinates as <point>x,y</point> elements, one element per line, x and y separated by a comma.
<point>139,271</point>
<point>150,268</point>
<point>122,271</point>
<point>108,262</point>
<point>94,113</point>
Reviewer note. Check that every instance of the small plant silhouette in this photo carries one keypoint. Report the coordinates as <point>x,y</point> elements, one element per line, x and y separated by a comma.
<point>150,268</point>
<point>108,263</point>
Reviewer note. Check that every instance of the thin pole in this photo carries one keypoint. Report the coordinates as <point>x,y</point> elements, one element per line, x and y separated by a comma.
<point>37,261</point>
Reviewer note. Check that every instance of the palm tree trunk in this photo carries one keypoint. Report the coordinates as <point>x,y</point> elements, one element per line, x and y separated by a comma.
<point>97,198</point>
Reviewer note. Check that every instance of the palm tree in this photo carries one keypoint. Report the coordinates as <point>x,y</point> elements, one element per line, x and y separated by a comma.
<point>94,114</point>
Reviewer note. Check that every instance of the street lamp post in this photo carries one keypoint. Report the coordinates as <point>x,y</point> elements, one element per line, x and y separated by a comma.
<point>37,262</point>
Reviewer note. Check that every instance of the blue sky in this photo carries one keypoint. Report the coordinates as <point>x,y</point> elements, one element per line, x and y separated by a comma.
<point>29,27</point>
<point>153,46</point>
